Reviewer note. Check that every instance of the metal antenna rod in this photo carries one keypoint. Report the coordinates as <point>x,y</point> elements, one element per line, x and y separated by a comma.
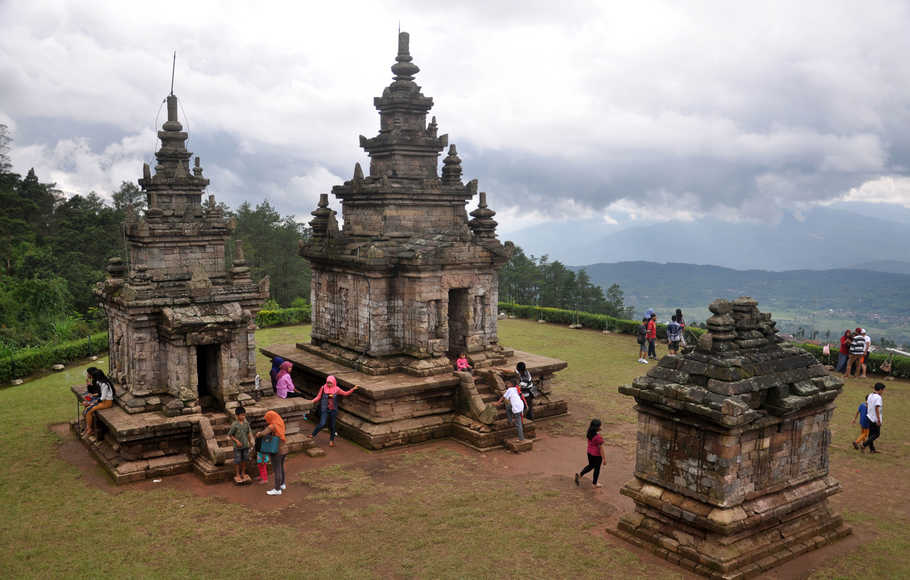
<point>173,67</point>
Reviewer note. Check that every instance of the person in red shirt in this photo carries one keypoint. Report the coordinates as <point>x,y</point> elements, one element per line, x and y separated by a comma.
<point>652,336</point>
<point>596,456</point>
<point>844,353</point>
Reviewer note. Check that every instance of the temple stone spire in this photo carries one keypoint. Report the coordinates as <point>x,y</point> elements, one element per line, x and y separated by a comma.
<point>406,146</point>
<point>174,188</point>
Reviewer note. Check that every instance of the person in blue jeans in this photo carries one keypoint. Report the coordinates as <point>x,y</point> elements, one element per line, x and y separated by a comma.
<point>328,406</point>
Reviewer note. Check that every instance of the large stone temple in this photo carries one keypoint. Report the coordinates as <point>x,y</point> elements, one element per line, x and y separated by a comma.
<point>731,467</point>
<point>181,330</point>
<point>406,284</point>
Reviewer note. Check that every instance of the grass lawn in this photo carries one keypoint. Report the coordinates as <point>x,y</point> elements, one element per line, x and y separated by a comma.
<point>430,511</point>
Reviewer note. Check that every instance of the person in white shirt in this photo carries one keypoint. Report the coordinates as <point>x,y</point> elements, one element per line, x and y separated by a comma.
<point>868,341</point>
<point>514,408</point>
<point>874,413</point>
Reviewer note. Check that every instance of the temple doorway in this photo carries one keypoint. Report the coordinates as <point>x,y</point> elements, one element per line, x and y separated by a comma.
<point>207,358</point>
<point>458,320</point>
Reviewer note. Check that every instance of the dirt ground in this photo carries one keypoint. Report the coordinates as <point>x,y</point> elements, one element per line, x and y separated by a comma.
<point>554,460</point>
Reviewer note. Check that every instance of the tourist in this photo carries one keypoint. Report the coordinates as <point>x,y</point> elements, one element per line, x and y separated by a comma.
<point>242,438</point>
<point>868,350</point>
<point>528,390</point>
<point>462,364</point>
<point>262,462</point>
<point>844,353</point>
<point>596,456</point>
<point>652,336</point>
<point>874,413</point>
<point>857,349</point>
<point>273,372</point>
<point>328,406</point>
<point>284,387</point>
<point>275,426</point>
<point>514,408</point>
<point>96,381</point>
<point>863,425</point>
<point>674,335</point>
<point>682,327</point>
<point>642,341</point>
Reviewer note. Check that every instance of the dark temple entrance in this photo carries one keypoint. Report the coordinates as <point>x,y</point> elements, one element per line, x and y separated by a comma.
<point>207,359</point>
<point>458,320</point>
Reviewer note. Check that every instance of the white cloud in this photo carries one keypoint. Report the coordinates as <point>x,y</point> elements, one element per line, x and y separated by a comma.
<point>641,110</point>
<point>890,189</point>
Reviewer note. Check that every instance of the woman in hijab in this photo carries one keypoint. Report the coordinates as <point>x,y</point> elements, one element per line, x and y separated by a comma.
<point>328,406</point>
<point>284,387</point>
<point>274,425</point>
<point>526,384</point>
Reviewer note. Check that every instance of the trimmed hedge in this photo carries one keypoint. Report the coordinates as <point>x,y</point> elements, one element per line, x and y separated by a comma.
<point>900,365</point>
<point>588,319</point>
<point>283,316</point>
<point>30,360</point>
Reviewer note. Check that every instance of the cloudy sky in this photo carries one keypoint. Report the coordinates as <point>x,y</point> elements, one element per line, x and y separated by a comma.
<point>620,111</point>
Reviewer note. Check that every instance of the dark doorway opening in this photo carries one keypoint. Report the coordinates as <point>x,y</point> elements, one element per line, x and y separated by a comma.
<point>207,359</point>
<point>458,320</point>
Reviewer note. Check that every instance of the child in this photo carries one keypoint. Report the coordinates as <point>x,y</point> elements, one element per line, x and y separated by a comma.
<point>596,456</point>
<point>863,425</point>
<point>461,363</point>
<point>515,406</point>
<point>642,349</point>
<point>674,335</point>
<point>262,460</point>
<point>242,438</point>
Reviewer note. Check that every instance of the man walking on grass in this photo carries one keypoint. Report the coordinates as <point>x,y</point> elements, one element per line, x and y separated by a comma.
<point>874,413</point>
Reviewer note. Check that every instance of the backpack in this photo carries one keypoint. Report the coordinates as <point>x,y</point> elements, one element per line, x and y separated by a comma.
<point>642,333</point>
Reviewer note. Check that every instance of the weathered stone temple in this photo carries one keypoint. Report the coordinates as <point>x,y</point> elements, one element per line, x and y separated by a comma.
<point>181,329</point>
<point>406,284</point>
<point>731,469</point>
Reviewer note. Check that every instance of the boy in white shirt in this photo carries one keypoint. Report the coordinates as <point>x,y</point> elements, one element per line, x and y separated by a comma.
<point>874,413</point>
<point>514,408</point>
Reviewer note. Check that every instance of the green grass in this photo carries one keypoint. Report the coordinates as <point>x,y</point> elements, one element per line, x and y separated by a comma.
<point>426,512</point>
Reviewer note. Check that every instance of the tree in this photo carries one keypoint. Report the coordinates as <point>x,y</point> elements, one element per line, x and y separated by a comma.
<point>270,248</point>
<point>129,198</point>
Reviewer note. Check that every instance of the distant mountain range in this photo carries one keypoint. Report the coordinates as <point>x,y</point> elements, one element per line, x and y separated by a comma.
<point>849,235</point>
<point>823,299</point>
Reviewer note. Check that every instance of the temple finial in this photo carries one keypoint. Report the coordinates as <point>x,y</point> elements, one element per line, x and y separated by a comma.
<point>451,167</point>
<point>403,68</point>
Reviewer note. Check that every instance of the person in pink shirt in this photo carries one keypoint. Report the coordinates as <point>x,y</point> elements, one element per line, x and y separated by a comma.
<point>462,364</point>
<point>328,406</point>
<point>596,456</point>
<point>284,387</point>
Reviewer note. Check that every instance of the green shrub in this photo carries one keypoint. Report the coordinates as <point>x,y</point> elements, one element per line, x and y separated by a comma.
<point>588,319</point>
<point>283,316</point>
<point>27,361</point>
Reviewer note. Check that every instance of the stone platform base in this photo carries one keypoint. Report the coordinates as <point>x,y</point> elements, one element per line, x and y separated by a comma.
<point>137,446</point>
<point>732,543</point>
<point>400,408</point>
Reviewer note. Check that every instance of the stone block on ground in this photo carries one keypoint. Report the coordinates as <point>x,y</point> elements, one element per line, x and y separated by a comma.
<point>516,445</point>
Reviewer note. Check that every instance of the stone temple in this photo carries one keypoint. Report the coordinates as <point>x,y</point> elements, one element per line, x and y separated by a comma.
<point>731,468</point>
<point>181,330</point>
<point>407,283</point>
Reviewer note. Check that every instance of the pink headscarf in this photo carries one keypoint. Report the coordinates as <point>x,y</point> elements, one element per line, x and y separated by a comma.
<point>284,369</point>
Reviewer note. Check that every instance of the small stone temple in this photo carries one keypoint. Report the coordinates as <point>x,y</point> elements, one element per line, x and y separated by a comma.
<point>406,284</point>
<point>181,329</point>
<point>731,468</point>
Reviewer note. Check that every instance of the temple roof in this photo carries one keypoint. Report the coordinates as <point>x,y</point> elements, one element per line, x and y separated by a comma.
<point>738,372</point>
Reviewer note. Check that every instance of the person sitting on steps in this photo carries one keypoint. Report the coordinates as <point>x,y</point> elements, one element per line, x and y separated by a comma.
<point>105,388</point>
